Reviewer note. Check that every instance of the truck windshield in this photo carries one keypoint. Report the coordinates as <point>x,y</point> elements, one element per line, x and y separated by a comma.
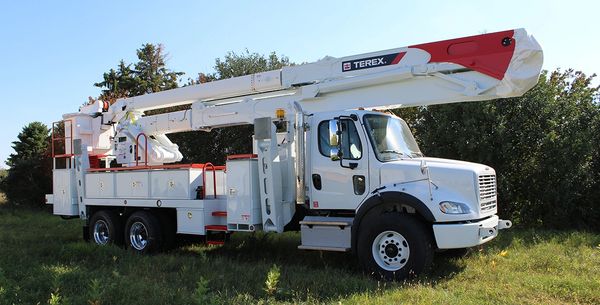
<point>391,138</point>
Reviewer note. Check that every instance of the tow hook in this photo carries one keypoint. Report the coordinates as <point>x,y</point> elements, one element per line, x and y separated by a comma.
<point>487,232</point>
<point>504,224</point>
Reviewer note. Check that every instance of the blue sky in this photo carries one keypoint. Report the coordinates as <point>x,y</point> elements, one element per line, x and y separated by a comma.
<point>53,51</point>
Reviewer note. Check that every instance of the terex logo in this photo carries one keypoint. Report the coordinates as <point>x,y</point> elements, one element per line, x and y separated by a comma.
<point>369,63</point>
<point>372,62</point>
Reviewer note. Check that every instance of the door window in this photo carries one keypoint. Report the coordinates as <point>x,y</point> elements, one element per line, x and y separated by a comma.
<point>351,145</point>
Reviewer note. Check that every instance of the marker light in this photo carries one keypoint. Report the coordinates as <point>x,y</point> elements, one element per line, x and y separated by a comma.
<point>280,113</point>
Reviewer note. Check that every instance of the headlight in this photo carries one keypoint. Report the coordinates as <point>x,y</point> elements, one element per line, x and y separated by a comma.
<point>450,207</point>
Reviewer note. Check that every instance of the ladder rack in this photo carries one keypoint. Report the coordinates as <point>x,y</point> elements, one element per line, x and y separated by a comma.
<point>67,153</point>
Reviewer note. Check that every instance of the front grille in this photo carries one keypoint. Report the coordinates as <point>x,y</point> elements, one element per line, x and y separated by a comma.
<point>487,206</point>
<point>487,192</point>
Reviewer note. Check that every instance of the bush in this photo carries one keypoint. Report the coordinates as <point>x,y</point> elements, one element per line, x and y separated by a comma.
<point>543,145</point>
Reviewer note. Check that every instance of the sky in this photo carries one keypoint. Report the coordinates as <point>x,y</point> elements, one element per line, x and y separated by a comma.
<point>53,52</point>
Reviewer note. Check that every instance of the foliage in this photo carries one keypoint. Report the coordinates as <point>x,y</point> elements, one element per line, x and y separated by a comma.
<point>202,295</point>
<point>272,280</point>
<point>41,255</point>
<point>29,176</point>
<point>118,83</point>
<point>150,74</point>
<point>248,63</point>
<point>199,146</point>
<point>543,145</point>
<point>55,298</point>
<point>3,174</point>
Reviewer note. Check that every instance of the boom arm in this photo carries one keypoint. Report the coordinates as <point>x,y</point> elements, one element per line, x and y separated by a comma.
<point>482,67</point>
<point>506,63</point>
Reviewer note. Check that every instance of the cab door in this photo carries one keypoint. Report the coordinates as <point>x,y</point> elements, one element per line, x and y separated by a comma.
<point>340,184</point>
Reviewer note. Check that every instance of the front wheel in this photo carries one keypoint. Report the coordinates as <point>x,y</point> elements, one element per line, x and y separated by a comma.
<point>394,246</point>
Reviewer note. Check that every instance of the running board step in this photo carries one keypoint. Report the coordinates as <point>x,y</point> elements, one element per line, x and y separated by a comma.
<point>330,223</point>
<point>215,228</point>
<point>301,247</point>
<point>219,213</point>
<point>326,233</point>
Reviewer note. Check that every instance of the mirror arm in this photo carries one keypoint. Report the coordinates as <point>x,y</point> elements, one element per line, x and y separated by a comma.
<point>339,133</point>
<point>351,165</point>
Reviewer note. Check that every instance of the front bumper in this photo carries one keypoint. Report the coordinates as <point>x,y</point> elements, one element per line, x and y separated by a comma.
<point>464,235</point>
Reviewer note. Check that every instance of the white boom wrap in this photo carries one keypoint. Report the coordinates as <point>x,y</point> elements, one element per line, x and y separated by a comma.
<point>483,67</point>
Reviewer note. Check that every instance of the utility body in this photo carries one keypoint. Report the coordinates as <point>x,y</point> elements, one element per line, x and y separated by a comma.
<point>324,162</point>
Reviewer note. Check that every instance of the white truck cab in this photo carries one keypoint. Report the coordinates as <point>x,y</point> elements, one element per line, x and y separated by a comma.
<point>361,159</point>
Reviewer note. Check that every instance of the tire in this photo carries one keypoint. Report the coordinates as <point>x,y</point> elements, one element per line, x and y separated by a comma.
<point>105,228</point>
<point>143,233</point>
<point>394,246</point>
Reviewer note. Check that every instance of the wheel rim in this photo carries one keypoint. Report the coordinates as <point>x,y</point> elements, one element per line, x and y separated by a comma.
<point>390,250</point>
<point>101,232</point>
<point>138,236</point>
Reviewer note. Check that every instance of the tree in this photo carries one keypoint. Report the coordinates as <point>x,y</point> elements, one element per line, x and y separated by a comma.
<point>199,146</point>
<point>119,83</point>
<point>3,174</point>
<point>150,74</point>
<point>247,63</point>
<point>29,175</point>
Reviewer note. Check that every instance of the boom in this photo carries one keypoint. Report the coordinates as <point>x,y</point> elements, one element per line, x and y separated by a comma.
<point>489,66</point>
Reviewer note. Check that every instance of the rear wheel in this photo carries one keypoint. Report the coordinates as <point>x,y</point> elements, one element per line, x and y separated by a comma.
<point>143,233</point>
<point>105,228</point>
<point>394,246</point>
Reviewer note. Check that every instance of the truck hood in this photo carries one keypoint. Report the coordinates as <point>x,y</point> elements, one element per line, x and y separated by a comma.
<point>451,180</point>
<point>410,169</point>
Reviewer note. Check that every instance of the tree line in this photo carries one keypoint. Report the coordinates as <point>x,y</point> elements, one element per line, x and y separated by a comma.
<point>545,145</point>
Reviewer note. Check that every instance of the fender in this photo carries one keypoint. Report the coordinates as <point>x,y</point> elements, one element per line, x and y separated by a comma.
<point>382,198</point>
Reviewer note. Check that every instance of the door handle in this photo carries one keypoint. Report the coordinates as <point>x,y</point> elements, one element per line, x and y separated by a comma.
<point>358,182</point>
<point>316,179</point>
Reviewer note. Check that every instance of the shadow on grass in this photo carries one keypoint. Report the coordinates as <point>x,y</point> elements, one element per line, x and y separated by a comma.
<point>336,274</point>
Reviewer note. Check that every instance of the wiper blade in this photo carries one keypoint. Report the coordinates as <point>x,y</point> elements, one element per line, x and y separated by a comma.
<point>388,151</point>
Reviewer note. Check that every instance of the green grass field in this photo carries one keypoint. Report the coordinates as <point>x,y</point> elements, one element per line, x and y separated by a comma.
<point>44,261</point>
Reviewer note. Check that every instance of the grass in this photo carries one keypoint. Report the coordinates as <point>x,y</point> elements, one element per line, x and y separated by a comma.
<point>44,261</point>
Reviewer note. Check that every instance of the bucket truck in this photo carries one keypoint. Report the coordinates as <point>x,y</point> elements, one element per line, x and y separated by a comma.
<point>349,178</point>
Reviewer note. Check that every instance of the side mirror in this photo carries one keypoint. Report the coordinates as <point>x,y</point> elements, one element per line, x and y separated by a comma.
<point>335,154</point>
<point>334,137</point>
